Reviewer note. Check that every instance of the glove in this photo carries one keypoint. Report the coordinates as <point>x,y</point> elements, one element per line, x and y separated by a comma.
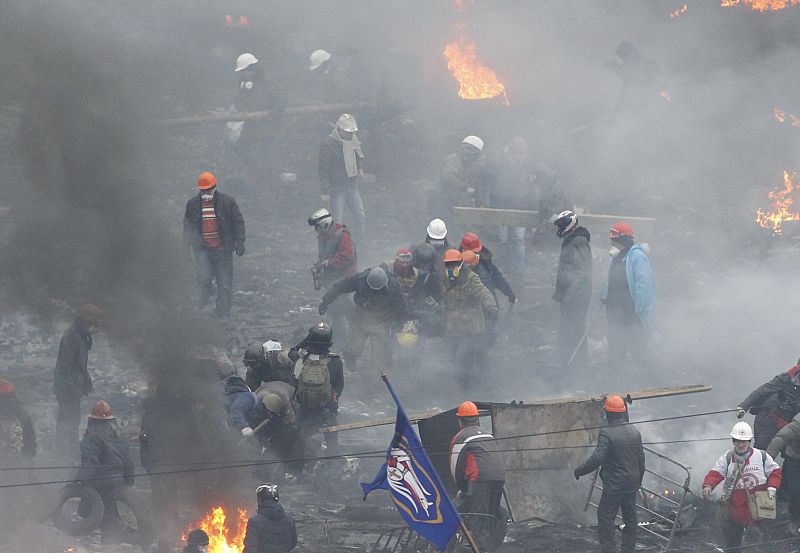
<point>294,354</point>
<point>323,307</point>
<point>322,264</point>
<point>771,492</point>
<point>240,248</point>
<point>741,412</point>
<point>706,491</point>
<point>575,473</point>
<point>247,431</point>
<point>512,299</point>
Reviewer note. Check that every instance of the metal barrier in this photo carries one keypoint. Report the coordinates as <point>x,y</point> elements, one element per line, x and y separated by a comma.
<point>646,495</point>
<point>405,540</point>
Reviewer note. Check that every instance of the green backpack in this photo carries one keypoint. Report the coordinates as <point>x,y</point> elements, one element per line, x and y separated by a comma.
<point>314,390</point>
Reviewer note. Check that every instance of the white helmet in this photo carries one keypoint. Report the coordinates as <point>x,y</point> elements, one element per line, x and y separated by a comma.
<point>244,61</point>
<point>742,431</point>
<point>347,123</point>
<point>565,221</point>
<point>473,141</point>
<point>317,58</point>
<point>271,345</point>
<point>322,218</point>
<point>437,230</point>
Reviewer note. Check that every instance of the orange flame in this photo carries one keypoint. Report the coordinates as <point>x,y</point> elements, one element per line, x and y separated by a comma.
<point>781,202</point>
<point>221,539</point>
<point>680,11</point>
<point>781,117</point>
<point>476,81</point>
<point>761,5</point>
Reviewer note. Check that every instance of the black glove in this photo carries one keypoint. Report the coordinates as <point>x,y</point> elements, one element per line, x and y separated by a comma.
<point>323,307</point>
<point>240,248</point>
<point>741,412</point>
<point>512,299</point>
<point>294,354</point>
<point>575,473</point>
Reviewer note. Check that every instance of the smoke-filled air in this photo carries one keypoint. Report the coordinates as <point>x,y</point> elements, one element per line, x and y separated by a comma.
<point>399,277</point>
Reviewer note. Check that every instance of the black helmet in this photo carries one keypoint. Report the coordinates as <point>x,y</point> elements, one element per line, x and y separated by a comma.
<point>267,492</point>
<point>565,221</point>
<point>423,256</point>
<point>197,537</point>
<point>253,355</point>
<point>320,336</point>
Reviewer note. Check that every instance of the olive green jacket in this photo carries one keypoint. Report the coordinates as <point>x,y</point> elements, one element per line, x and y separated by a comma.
<point>467,303</point>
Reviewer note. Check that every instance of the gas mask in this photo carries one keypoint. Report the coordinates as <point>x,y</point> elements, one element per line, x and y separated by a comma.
<point>452,270</point>
<point>614,251</point>
<point>207,195</point>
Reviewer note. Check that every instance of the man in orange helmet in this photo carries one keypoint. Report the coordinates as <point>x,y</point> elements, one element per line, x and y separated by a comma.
<point>213,229</point>
<point>106,466</point>
<point>479,473</point>
<point>620,456</point>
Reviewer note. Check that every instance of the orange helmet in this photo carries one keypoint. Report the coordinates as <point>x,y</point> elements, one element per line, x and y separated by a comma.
<point>470,257</point>
<point>206,180</point>
<point>452,255</point>
<point>467,409</point>
<point>470,241</point>
<point>101,410</point>
<point>620,229</point>
<point>614,404</point>
<point>6,387</point>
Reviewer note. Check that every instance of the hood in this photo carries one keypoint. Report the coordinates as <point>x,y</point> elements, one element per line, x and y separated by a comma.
<point>235,387</point>
<point>272,510</point>
<point>579,231</point>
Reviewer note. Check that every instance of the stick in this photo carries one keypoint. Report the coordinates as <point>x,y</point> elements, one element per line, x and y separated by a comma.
<point>254,115</point>
<point>261,425</point>
<point>470,539</point>
<point>585,335</point>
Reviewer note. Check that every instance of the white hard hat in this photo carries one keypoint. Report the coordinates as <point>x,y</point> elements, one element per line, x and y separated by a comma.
<point>347,123</point>
<point>473,141</point>
<point>742,431</point>
<point>317,58</point>
<point>244,61</point>
<point>437,229</point>
<point>271,345</point>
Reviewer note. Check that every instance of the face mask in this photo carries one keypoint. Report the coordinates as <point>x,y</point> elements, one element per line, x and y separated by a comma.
<point>434,242</point>
<point>207,197</point>
<point>453,272</point>
<point>614,251</point>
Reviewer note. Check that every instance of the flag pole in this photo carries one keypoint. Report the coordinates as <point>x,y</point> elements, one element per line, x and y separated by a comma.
<point>464,529</point>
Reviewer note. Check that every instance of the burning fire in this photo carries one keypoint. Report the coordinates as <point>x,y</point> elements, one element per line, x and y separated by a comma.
<point>222,538</point>
<point>781,117</point>
<point>680,11</point>
<point>476,81</point>
<point>781,202</point>
<point>761,5</point>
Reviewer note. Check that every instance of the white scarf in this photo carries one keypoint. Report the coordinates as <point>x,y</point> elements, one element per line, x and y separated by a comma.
<point>350,149</point>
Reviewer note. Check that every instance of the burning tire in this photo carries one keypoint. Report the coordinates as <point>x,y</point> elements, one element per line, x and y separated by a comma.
<point>78,518</point>
<point>135,514</point>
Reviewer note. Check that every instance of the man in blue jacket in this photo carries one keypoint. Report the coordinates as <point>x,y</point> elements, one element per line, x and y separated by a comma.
<point>629,297</point>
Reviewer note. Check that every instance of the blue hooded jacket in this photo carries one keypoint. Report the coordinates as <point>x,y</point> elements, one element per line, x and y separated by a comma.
<point>640,282</point>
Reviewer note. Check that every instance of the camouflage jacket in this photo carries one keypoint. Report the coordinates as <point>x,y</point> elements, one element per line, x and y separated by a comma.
<point>467,302</point>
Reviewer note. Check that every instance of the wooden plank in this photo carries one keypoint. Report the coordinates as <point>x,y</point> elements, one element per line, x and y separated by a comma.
<point>637,395</point>
<point>254,115</point>
<point>596,223</point>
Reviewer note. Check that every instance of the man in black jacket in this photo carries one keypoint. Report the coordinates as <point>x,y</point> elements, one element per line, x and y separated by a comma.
<point>71,379</point>
<point>774,404</point>
<point>378,303</point>
<point>270,530</point>
<point>213,228</point>
<point>106,465</point>
<point>620,456</point>
<point>573,286</point>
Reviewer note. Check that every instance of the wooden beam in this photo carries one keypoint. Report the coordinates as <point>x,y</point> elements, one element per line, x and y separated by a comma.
<point>596,223</point>
<point>255,115</point>
<point>641,394</point>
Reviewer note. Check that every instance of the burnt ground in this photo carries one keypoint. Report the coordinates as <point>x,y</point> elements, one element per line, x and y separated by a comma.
<point>274,296</point>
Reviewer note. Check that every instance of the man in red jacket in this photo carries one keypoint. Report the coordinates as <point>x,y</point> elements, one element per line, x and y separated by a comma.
<point>336,259</point>
<point>479,473</point>
<point>744,470</point>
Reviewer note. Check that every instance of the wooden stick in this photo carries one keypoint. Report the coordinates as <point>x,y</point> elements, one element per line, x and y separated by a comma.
<point>470,539</point>
<point>255,115</point>
<point>585,335</point>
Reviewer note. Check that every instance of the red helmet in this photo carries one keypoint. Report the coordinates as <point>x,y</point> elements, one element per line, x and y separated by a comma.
<point>467,409</point>
<point>101,410</point>
<point>6,387</point>
<point>620,229</point>
<point>470,241</point>
<point>206,180</point>
<point>614,404</point>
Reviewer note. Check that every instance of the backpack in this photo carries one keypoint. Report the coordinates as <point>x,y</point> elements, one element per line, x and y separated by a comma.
<point>314,390</point>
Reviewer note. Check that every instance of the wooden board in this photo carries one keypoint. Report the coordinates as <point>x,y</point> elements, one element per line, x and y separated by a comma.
<point>637,395</point>
<point>254,115</point>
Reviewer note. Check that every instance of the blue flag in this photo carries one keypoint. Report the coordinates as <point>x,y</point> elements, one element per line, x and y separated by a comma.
<point>417,491</point>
